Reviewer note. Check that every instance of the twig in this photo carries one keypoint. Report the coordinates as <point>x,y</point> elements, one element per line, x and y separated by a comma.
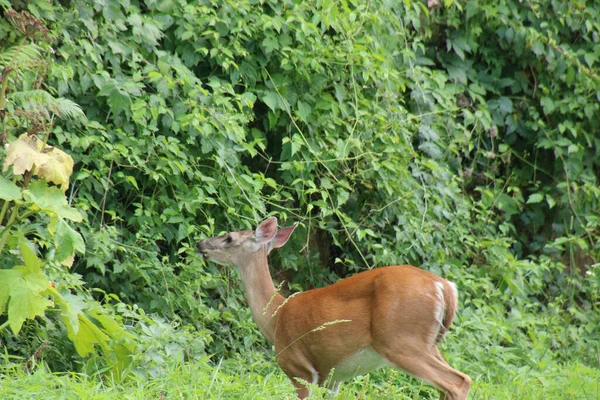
<point>317,329</point>
<point>106,193</point>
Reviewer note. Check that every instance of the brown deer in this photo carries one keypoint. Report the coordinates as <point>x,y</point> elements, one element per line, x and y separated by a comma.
<point>388,316</point>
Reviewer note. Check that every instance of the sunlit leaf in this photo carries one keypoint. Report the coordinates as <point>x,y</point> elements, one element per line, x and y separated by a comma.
<point>26,302</point>
<point>28,153</point>
<point>57,168</point>
<point>50,200</point>
<point>87,335</point>
<point>22,287</point>
<point>24,154</point>
<point>535,198</point>
<point>71,306</point>
<point>7,277</point>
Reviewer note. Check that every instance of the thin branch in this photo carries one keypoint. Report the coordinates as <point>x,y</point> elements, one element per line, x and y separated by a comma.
<point>106,193</point>
<point>317,329</point>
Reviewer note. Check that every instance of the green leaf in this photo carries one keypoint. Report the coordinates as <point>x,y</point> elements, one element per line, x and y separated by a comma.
<point>26,302</point>
<point>71,306</point>
<point>342,148</point>
<point>535,198</point>
<point>503,104</point>
<point>67,241</point>
<point>8,190</point>
<point>248,99</point>
<point>431,149</point>
<point>86,336</point>
<point>590,59</point>
<point>7,277</point>
<point>508,205</point>
<point>548,104</point>
<point>117,98</point>
<point>342,197</point>
<point>270,43</point>
<point>108,323</point>
<point>570,76</point>
<point>51,200</point>
<point>296,143</point>
<point>472,9</point>
<point>304,111</point>
<point>32,262</point>
<point>271,99</point>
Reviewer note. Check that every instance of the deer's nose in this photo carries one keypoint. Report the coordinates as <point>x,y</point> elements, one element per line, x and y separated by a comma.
<point>201,247</point>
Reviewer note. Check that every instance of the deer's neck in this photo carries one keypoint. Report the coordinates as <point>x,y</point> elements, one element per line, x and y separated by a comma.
<point>263,298</point>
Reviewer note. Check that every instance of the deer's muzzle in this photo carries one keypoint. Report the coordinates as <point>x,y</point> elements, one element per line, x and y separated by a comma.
<point>201,247</point>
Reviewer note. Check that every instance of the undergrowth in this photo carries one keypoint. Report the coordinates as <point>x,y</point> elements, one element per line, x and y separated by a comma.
<point>253,377</point>
<point>461,138</point>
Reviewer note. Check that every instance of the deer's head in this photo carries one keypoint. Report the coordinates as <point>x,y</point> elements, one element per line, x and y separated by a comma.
<point>237,248</point>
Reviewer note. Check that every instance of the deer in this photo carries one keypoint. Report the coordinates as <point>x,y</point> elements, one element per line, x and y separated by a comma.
<point>388,316</point>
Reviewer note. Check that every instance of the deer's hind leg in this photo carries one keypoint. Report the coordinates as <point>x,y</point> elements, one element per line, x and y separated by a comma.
<point>430,366</point>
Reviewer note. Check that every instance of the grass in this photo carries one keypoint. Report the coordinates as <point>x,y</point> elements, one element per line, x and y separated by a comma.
<point>253,378</point>
<point>574,381</point>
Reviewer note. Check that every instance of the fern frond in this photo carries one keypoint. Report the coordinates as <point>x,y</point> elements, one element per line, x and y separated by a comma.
<point>66,108</point>
<point>42,101</point>
<point>37,96</point>
<point>22,55</point>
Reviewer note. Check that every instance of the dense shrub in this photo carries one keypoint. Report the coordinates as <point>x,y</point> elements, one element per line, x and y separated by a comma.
<point>461,139</point>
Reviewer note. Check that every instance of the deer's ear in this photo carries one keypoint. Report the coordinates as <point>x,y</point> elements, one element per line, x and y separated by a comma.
<point>266,231</point>
<point>281,237</point>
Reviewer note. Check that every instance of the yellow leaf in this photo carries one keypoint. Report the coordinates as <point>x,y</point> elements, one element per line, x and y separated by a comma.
<point>68,262</point>
<point>28,153</point>
<point>23,154</point>
<point>57,169</point>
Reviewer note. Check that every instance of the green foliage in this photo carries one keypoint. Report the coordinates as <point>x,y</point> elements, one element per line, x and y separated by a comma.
<point>462,139</point>
<point>31,208</point>
<point>9,191</point>
<point>22,288</point>
<point>533,102</point>
<point>255,377</point>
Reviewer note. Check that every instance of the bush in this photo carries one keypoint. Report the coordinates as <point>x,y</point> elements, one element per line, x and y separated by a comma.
<point>393,133</point>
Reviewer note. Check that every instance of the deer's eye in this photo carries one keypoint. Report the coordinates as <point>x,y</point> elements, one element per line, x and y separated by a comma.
<point>228,239</point>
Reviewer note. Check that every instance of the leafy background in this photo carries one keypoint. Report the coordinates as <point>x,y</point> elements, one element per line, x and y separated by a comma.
<point>460,137</point>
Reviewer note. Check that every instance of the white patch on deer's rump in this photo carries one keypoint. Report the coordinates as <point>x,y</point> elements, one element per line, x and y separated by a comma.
<point>440,304</point>
<point>455,293</point>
